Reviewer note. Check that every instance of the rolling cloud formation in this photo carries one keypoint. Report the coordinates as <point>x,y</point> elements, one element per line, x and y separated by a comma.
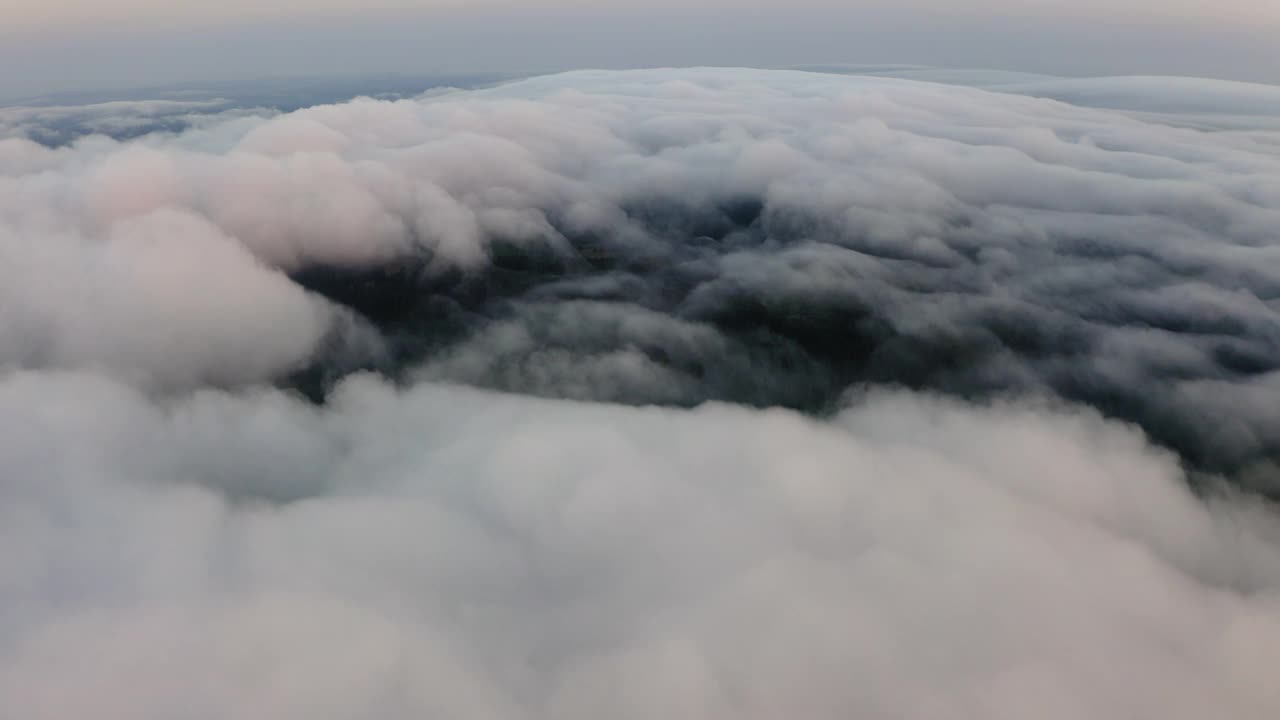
<point>700,393</point>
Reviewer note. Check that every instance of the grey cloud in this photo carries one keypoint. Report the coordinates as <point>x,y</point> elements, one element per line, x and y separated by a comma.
<point>56,125</point>
<point>877,229</point>
<point>697,393</point>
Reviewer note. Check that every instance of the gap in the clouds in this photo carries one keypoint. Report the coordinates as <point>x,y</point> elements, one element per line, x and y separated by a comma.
<point>605,283</point>
<point>689,304</point>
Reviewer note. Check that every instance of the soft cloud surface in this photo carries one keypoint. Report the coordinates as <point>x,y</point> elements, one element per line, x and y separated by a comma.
<point>703,393</point>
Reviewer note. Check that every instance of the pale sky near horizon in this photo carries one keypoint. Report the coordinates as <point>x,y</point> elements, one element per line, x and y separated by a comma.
<point>54,14</point>
<point>57,45</point>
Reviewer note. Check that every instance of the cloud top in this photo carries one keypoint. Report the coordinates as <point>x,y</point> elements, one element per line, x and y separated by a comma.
<point>698,393</point>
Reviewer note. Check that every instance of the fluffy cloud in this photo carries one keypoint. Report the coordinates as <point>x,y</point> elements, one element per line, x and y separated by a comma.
<point>444,550</point>
<point>859,397</point>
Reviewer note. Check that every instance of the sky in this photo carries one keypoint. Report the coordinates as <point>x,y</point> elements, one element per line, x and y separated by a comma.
<point>89,44</point>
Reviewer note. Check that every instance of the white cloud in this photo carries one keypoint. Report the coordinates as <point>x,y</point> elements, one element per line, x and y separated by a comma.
<point>179,537</point>
<point>451,551</point>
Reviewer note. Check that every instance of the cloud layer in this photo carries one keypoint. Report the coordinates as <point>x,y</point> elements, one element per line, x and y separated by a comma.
<point>446,551</point>
<point>854,397</point>
<point>766,238</point>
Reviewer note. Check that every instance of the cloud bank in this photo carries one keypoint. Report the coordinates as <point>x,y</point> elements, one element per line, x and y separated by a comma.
<point>699,393</point>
